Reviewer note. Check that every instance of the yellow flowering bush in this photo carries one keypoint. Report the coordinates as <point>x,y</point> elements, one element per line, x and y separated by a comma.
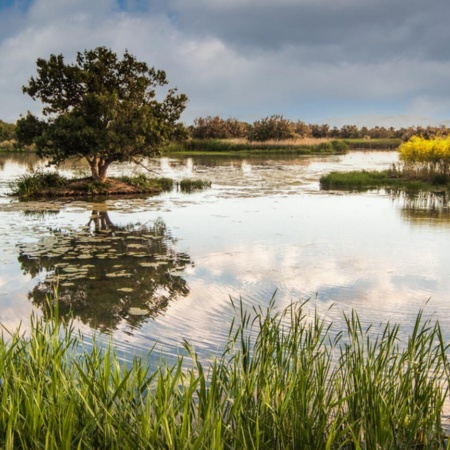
<point>426,158</point>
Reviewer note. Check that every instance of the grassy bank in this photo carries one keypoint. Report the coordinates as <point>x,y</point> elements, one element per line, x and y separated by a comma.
<point>284,380</point>
<point>307,146</point>
<point>373,144</point>
<point>366,180</point>
<point>51,184</point>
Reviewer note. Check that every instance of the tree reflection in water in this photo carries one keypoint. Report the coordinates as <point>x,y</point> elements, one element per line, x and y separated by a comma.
<point>107,274</point>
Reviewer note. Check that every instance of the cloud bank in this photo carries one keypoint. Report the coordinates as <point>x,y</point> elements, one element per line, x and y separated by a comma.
<point>315,60</point>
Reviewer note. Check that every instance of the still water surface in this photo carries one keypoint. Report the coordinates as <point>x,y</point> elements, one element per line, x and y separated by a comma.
<point>162,269</point>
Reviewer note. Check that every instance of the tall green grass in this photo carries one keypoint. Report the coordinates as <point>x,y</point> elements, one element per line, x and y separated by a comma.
<point>285,379</point>
<point>373,144</point>
<point>29,185</point>
<point>365,180</point>
<point>301,147</point>
<point>190,185</point>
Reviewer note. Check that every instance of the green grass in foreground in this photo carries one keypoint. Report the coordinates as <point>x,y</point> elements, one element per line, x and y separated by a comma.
<point>365,180</point>
<point>285,380</point>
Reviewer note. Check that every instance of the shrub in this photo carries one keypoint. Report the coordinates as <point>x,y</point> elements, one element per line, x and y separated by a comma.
<point>189,185</point>
<point>426,158</point>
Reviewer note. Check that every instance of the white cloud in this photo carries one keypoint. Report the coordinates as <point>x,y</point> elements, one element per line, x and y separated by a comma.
<point>250,63</point>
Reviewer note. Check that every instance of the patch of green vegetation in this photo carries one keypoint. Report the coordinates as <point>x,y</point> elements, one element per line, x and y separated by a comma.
<point>226,146</point>
<point>29,185</point>
<point>97,187</point>
<point>365,180</point>
<point>148,184</point>
<point>373,144</point>
<point>285,379</point>
<point>190,185</point>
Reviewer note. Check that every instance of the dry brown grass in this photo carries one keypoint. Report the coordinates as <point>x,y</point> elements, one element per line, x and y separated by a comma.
<point>298,141</point>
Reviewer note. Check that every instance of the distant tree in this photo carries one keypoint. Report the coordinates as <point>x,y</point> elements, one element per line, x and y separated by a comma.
<point>237,128</point>
<point>349,132</point>
<point>217,128</point>
<point>302,129</point>
<point>100,108</point>
<point>7,131</point>
<point>275,127</point>
<point>319,131</point>
<point>209,128</point>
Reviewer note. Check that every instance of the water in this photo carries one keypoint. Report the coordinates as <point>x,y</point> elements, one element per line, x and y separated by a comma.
<point>162,269</point>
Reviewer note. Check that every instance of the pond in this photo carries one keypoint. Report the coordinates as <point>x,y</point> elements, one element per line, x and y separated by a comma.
<point>158,270</point>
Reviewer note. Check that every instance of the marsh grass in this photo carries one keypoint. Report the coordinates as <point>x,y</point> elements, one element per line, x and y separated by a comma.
<point>373,144</point>
<point>29,185</point>
<point>304,146</point>
<point>190,185</point>
<point>285,379</point>
<point>365,180</point>
<point>144,182</point>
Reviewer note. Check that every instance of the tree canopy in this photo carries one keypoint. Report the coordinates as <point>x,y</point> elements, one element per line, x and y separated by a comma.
<point>101,108</point>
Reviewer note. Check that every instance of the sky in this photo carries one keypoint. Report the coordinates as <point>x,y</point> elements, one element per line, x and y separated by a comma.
<point>363,62</point>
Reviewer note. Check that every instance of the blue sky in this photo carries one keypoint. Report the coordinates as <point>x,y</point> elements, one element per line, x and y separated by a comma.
<point>377,62</point>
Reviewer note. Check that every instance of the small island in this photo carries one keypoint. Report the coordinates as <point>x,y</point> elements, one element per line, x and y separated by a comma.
<point>424,166</point>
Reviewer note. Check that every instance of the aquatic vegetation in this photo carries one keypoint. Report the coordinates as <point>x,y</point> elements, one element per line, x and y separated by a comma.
<point>285,379</point>
<point>190,185</point>
<point>304,146</point>
<point>373,144</point>
<point>104,270</point>
<point>142,181</point>
<point>29,185</point>
<point>363,180</point>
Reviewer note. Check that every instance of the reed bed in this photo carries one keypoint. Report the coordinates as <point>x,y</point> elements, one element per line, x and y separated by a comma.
<point>304,146</point>
<point>361,180</point>
<point>285,379</point>
<point>28,185</point>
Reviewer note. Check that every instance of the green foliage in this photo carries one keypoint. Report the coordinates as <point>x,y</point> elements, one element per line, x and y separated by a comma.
<point>189,185</point>
<point>217,128</point>
<point>285,380</point>
<point>339,146</point>
<point>275,127</point>
<point>101,108</point>
<point>7,131</point>
<point>365,180</point>
<point>228,146</point>
<point>29,185</point>
<point>141,181</point>
<point>373,144</point>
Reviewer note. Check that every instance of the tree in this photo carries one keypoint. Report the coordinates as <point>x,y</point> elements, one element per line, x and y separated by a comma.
<point>7,131</point>
<point>100,108</point>
<point>274,127</point>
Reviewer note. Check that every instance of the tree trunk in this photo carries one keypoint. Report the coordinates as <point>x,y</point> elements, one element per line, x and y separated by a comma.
<point>99,167</point>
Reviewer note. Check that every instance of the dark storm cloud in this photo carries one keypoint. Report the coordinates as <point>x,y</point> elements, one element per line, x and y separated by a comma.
<point>306,59</point>
<point>331,30</point>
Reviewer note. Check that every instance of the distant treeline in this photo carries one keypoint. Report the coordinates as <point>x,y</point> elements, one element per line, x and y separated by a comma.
<point>279,128</point>
<point>275,127</point>
<point>7,131</point>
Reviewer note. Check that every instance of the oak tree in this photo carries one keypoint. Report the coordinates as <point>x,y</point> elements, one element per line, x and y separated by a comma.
<point>102,108</point>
